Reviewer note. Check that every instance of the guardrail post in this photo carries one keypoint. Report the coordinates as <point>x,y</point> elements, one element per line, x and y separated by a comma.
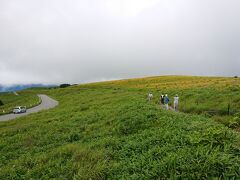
<point>228,109</point>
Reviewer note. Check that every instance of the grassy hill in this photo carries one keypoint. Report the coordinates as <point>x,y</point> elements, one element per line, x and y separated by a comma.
<point>109,130</point>
<point>10,100</point>
<point>216,97</point>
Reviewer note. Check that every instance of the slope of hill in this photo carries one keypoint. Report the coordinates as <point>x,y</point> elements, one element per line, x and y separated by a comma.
<point>216,97</point>
<point>109,130</point>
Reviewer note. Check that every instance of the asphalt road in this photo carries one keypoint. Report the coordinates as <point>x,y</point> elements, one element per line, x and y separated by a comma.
<point>47,103</point>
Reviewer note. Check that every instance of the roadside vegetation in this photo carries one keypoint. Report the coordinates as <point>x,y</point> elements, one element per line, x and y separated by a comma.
<point>109,130</point>
<point>10,100</point>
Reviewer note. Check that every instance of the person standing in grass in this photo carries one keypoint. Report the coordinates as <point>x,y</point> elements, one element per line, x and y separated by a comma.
<point>162,99</point>
<point>176,100</point>
<point>150,96</point>
<point>166,101</point>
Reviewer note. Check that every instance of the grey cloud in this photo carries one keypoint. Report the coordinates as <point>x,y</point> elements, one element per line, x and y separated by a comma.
<point>80,41</point>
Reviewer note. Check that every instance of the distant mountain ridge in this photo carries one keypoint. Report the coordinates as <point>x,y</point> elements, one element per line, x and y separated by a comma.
<point>21,87</point>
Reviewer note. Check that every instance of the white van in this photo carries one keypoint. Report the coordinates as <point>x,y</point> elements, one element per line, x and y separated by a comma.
<point>19,109</point>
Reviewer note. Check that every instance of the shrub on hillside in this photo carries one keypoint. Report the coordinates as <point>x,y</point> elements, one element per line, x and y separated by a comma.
<point>1,103</point>
<point>64,85</point>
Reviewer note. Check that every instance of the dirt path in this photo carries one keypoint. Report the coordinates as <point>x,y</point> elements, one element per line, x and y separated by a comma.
<point>46,103</point>
<point>169,108</point>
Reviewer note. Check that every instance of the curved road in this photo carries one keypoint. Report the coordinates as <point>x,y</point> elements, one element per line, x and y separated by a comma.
<point>46,103</point>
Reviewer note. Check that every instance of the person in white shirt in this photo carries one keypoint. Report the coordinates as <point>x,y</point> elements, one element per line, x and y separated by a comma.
<point>176,101</point>
<point>150,96</point>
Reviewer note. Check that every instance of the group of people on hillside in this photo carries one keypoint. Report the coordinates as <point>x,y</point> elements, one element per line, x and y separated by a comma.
<point>164,100</point>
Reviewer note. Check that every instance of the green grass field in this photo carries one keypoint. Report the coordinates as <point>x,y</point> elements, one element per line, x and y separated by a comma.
<point>26,98</point>
<point>109,131</point>
<point>215,97</point>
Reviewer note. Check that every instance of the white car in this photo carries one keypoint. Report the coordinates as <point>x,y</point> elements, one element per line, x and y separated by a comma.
<point>19,109</point>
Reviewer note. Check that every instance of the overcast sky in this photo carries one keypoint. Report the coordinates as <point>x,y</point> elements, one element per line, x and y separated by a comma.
<point>77,41</point>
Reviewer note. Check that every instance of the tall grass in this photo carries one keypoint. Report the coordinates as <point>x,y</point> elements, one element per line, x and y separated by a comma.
<point>210,96</point>
<point>111,132</point>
